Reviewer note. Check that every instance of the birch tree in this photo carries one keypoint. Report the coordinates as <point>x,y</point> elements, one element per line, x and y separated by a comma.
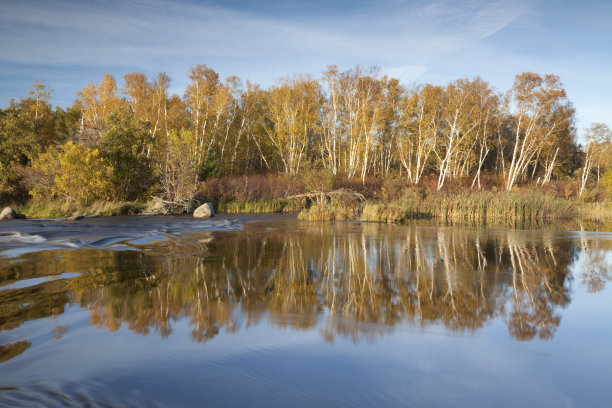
<point>331,121</point>
<point>292,122</point>
<point>459,124</point>
<point>536,100</point>
<point>488,115</point>
<point>98,102</point>
<point>419,129</point>
<point>598,138</point>
<point>200,101</point>
<point>148,100</point>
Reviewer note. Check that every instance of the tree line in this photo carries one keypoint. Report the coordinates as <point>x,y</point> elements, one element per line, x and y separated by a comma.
<point>136,140</point>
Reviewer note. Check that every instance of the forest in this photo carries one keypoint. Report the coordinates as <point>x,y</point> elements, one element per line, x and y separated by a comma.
<point>232,141</point>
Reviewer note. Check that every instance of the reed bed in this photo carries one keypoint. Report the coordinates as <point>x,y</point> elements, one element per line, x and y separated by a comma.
<point>482,207</point>
<point>595,211</point>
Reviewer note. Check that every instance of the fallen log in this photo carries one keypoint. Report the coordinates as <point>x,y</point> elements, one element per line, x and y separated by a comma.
<point>159,206</point>
<point>342,194</point>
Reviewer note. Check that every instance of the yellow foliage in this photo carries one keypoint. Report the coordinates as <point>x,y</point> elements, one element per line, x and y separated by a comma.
<point>82,174</point>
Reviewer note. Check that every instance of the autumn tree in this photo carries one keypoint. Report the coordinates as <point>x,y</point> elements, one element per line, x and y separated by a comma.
<point>98,102</point>
<point>459,127</point>
<point>38,106</point>
<point>149,101</point>
<point>598,141</point>
<point>40,177</point>
<point>541,114</point>
<point>331,124</point>
<point>83,175</point>
<point>178,178</point>
<point>202,101</point>
<point>292,121</point>
<point>419,130</point>
<point>388,126</point>
<point>487,117</point>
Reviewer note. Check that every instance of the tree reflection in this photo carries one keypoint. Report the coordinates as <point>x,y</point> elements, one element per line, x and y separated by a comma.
<point>349,280</point>
<point>595,264</point>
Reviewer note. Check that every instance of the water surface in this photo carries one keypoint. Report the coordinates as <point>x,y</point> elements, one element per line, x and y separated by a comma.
<point>260,311</point>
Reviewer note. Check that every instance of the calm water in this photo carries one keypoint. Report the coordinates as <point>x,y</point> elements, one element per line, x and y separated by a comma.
<point>272,311</point>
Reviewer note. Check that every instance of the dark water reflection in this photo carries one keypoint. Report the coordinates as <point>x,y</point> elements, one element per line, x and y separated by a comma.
<point>343,281</point>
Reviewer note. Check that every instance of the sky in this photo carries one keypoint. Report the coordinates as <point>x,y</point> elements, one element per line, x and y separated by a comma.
<point>68,44</point>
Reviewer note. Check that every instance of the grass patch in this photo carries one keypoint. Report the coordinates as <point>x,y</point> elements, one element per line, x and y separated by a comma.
<point>342,207</point>
<point>59,209</point>
<point>253,207</point>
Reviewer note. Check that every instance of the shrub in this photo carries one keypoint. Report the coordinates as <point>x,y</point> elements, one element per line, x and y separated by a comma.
<point>82,174</point>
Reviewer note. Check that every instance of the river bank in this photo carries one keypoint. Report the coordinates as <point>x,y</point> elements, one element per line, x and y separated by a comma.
<point>510,209</point>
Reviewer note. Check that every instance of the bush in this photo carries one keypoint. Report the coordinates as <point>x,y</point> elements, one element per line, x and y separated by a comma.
<point>318,180</point>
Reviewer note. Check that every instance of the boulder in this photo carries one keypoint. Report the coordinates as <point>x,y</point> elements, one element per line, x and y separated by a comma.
<point>8,214</point>
<point>204,211</point>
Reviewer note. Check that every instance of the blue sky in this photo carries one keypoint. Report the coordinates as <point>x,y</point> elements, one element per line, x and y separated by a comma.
<point>68,44</point>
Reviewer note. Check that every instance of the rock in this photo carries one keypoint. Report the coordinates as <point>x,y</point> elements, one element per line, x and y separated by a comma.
<point>8,214</point>
<point>74,218</point>
<point>21,216</point>
<point>204,211</point>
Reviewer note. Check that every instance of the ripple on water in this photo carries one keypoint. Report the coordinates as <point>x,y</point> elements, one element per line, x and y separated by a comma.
<point>115,233</point>
<point>18,237</point>
<point>37,394</point>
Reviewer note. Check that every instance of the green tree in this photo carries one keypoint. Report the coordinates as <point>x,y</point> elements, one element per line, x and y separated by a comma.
<point>18,147</point>
<point>125,146</point>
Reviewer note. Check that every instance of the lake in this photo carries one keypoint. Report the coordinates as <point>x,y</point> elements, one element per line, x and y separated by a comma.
<point>273,311</point>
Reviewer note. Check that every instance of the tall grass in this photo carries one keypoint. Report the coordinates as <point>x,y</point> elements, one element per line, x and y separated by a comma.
<point>485,206</point>
<point>482,207</point>
<point>595,211</point>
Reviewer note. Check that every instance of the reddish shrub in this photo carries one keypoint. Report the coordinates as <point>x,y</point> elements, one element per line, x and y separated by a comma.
<point>372,188</point>
<point>249,188</point>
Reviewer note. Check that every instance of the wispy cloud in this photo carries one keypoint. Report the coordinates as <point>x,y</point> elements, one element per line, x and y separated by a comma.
<point>68,43</point>
<point>163,33</point>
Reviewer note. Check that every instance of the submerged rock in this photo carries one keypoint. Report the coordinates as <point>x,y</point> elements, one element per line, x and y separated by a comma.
<point>75,218</point>
<point>204,211</point>
<point>9,214</point>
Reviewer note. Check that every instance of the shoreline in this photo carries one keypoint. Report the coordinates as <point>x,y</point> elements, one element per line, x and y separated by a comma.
<point>585,216</point>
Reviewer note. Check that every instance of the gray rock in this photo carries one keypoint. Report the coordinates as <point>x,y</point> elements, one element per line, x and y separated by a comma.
<point>204,211</point>
<point>74,218</point>
<point>8,214</point>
